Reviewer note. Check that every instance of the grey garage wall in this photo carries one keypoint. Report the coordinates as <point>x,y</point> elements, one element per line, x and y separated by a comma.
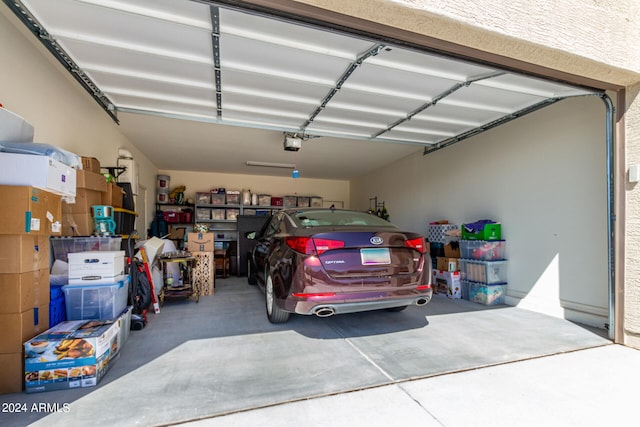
<point>543,176</point>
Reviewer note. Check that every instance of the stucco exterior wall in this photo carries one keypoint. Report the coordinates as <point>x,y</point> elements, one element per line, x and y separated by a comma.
<point>596,39</point>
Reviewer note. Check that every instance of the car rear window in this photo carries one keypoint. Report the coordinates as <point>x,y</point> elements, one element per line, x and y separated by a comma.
<point>324,218</point>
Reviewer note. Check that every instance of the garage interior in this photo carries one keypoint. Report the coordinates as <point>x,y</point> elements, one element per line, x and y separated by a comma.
<point>196,86</point>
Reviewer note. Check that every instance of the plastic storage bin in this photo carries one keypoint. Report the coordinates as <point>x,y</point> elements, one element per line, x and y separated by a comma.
<point>483,293</point>
<point>486,250</point>
<point>102,301</point>
<point>57,311</point>
<point>483,271</point>
<point>289,201</point>
<point>62,246</point>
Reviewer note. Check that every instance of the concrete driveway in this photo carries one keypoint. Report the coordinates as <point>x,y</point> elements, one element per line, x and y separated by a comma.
<point>208,360</point>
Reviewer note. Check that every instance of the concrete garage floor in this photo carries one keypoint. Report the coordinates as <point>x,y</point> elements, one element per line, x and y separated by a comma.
<point>220,362</point>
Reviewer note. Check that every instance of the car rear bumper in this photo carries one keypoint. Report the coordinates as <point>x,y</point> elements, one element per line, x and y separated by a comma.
<point>328,308</point>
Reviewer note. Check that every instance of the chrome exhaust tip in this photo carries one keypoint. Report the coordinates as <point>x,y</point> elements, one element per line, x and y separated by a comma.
<point>325,312</point>
<point>422,301</point>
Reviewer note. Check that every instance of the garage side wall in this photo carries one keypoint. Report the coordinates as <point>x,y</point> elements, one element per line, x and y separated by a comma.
<point>543,177</point>
<point>38,89</point>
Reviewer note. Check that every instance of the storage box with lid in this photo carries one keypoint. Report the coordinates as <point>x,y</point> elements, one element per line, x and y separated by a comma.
<point>72,354</point>
<point>439,233</point>
<point>486,294</point>
<point>277,201</point>
<point>264,199</point>
<point>92,266</point>
<point>316,202</point>
<point>218,214</point>
<point>483,271</point>
<point>171,216</point>
<point>203,198</point>
<point>487,250</point>
<point>289,201</point>
<point>218,198</point>
<point>203,214</point>
<point>303,201</point>
<point>101,300</point>
<point>41,172</point>
<point>232,214</point>
<point>233,197</point>
<point>482,231</point>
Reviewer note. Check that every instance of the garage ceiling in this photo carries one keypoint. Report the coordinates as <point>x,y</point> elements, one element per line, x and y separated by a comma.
<point>206,88</point>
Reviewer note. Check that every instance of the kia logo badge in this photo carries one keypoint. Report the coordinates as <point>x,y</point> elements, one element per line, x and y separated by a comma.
<point>376,240</point>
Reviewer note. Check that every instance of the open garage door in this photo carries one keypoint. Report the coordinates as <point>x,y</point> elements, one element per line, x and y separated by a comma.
<point>205,62</point>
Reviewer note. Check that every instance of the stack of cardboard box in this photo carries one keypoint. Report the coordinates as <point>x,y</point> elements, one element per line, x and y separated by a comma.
<point>28,217</point>
<point>77,218</point>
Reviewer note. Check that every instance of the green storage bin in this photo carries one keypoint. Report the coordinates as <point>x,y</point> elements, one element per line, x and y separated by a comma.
<point>489,232</point>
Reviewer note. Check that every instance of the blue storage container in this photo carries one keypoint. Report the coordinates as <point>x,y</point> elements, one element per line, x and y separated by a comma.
<point>57,311</point>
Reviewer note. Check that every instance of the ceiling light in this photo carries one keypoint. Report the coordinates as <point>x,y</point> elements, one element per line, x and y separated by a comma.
<point>271,165</point>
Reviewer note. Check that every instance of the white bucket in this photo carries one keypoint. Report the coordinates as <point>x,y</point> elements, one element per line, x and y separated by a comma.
<point>163,182</point>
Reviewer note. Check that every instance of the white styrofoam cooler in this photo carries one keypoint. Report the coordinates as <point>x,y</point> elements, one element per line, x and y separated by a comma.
<point>92,266</point>
<point>37,171</point>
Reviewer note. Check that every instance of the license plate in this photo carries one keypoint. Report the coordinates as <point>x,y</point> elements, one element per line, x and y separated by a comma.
<point>375,256</point>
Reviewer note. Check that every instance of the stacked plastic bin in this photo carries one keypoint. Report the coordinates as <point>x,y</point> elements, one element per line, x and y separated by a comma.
<point>483,271</point>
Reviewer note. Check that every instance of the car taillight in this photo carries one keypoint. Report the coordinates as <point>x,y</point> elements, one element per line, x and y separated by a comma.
<point>303,245</point>
<point>417,244</point>
<point>323,245</point>
<point>423,287</point>
<point>311,246</point>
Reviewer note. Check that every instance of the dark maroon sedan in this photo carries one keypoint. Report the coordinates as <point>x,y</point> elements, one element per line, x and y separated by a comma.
<point>332,261</point>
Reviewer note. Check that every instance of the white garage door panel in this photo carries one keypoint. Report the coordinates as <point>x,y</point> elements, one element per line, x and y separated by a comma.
<point>199,108</point>
<point>268,58</point>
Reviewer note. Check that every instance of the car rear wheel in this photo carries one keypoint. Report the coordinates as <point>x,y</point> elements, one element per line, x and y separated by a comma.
<point>274,313</point>
<point>251,275</point>
<point>396,309</point>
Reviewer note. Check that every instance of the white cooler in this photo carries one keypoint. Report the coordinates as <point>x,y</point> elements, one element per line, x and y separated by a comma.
<point>95,266</point>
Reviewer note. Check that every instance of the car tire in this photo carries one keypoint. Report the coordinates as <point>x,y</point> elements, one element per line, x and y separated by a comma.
<point>251,275</point>
<point>396,309</point>
<point>274,313</point>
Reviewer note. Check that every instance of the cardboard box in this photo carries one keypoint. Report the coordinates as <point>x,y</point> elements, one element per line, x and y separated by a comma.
<point>37,171</point>
<point>72,354</point>
<point>20,327</point>
<point>113,196</point>
<point>21,254</point>
<point>452,250</point>
<point>448,283</point>
<point>91,180</point>
<point>84,200</point>
<point>21,292</point>
<point>91,164</point>
<point>176,232</point>
<point>11,372</point>
<point>92,266</point>
<point>200,242</point>
<point>447,264</point>
<point>29,210</point>
<point>77,224</point>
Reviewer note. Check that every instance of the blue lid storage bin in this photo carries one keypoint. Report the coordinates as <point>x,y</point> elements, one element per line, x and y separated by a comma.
<point>97,301</point>
<point>486,294</point>
<point>483,271</point>
<point>486,250</point>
